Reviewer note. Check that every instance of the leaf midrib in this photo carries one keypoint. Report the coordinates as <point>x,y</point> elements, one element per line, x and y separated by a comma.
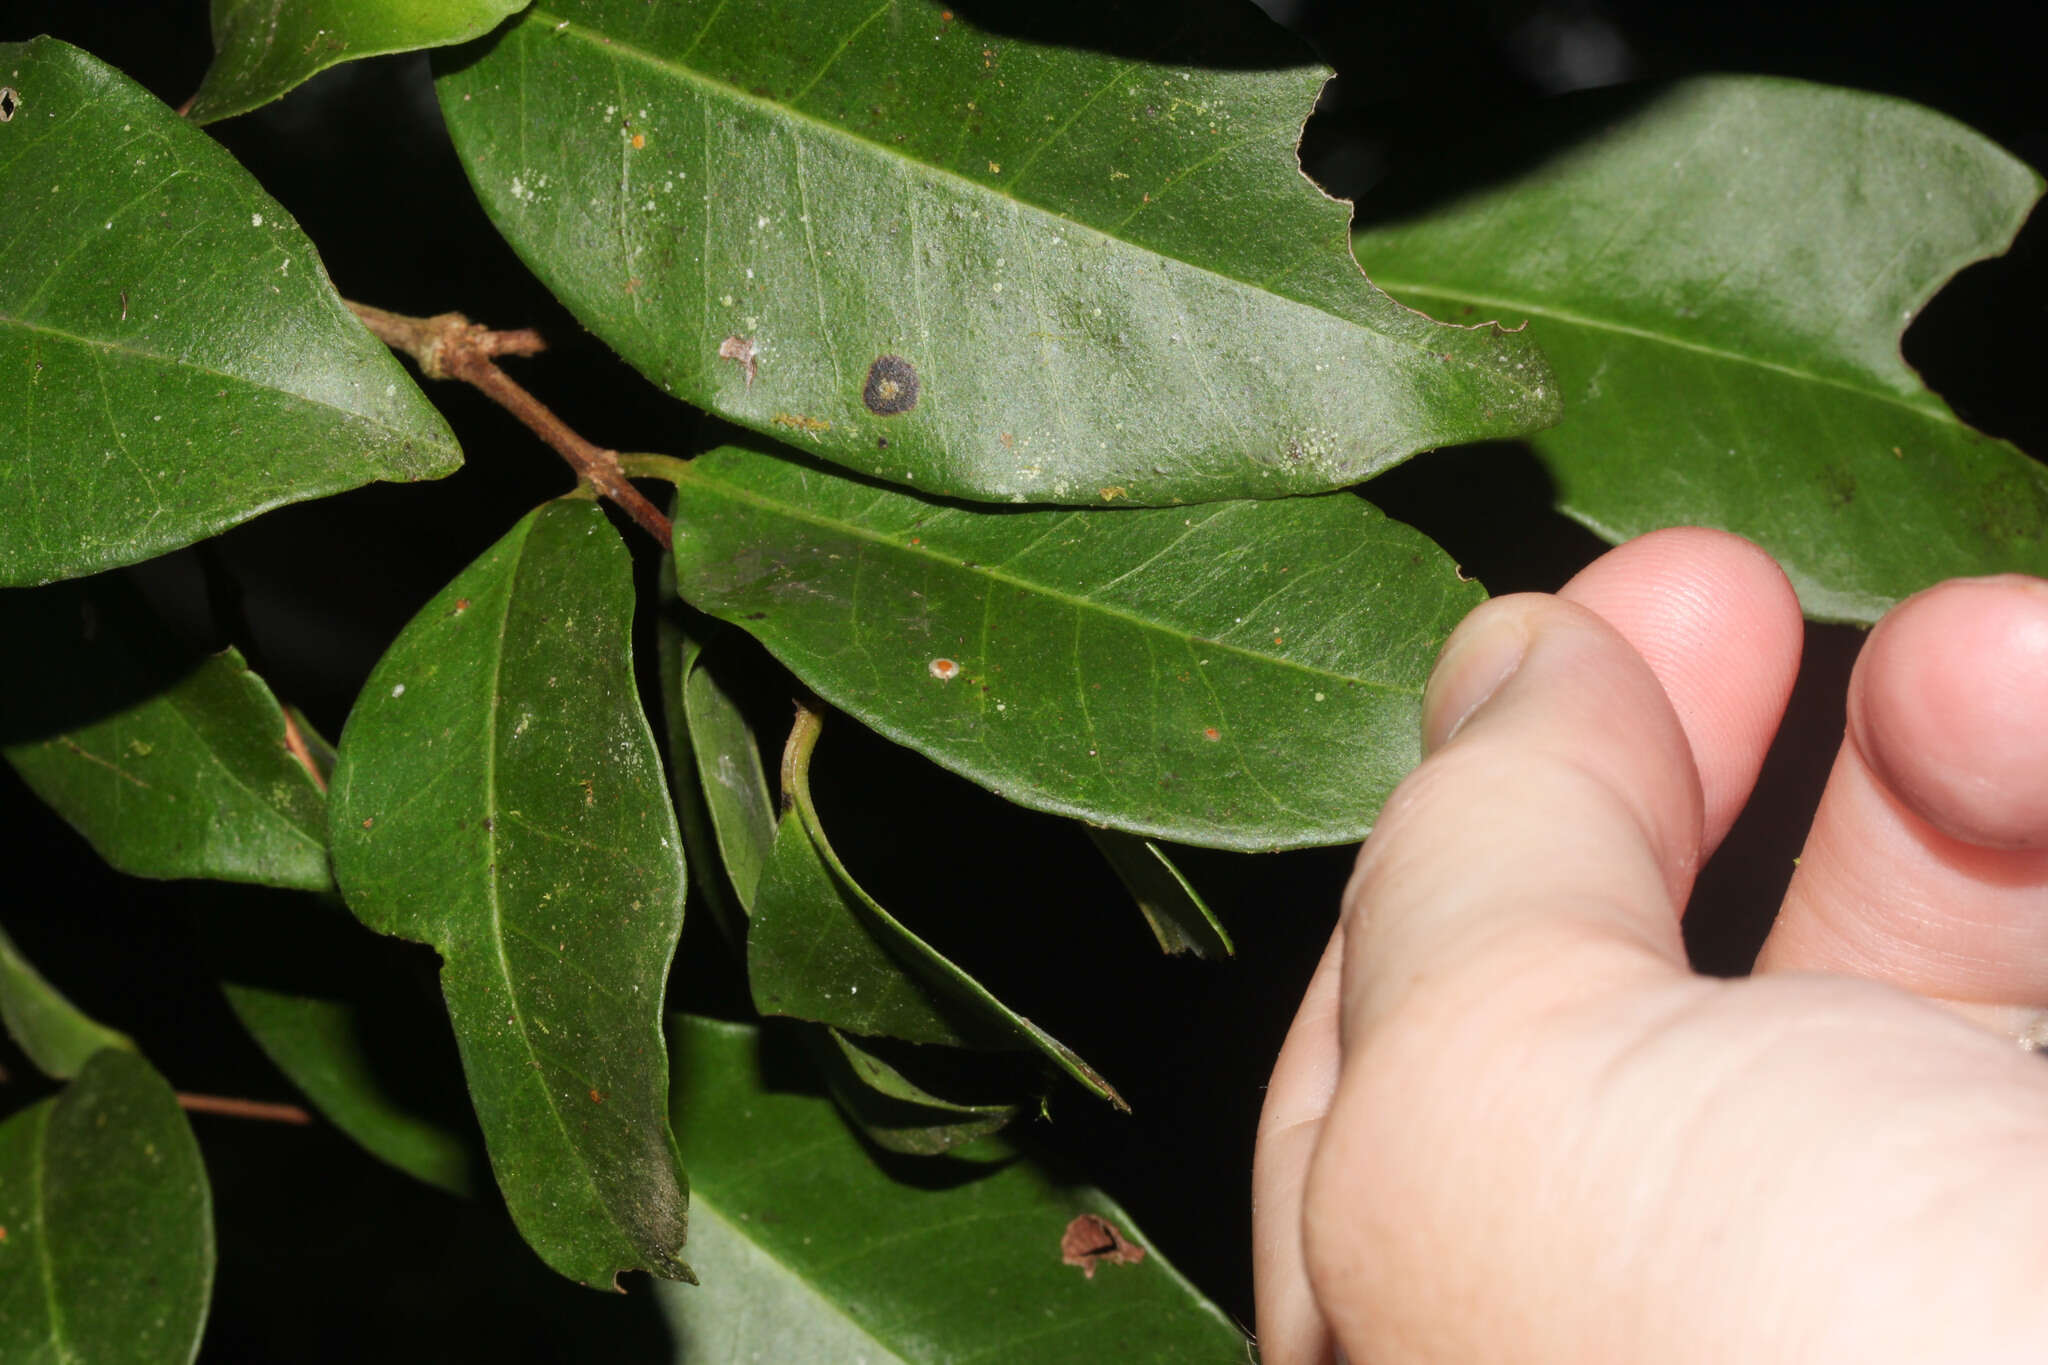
<point>272,813</point>
<point>591,36</point>
<point>1916,403</point>
<point>1035,589</point>
<point>159,358</point>
<point>493,898</point>
<point>45,1256</point>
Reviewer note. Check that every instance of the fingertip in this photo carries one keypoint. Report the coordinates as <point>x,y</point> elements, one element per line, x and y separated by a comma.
<point>1561,816</point>
<point>1947,705</point>
<point>1719,625</point>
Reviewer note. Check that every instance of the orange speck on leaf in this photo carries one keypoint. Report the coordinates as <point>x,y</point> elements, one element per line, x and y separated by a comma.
<point>917,540</point>
<point>462,604</point>
<point>639,141</point>
<point>1276,639</point>
<point>1212,734</point>
<point>945,670</point>
<point>596,1097</point>
<point>369,822</point>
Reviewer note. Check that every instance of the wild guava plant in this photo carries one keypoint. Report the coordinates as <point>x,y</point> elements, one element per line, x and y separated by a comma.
<point>1049,396</point>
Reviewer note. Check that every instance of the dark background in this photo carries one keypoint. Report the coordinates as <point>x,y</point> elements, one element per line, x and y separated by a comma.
<point>326,1254</point>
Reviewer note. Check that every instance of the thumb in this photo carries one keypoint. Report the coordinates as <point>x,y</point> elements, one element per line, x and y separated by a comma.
<point>1534,863</point>
<point>1555,825</point>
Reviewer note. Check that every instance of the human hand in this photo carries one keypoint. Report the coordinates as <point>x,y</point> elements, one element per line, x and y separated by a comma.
<point>1509,1124</point>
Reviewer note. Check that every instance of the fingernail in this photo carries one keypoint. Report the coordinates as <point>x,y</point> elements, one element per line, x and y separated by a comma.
<point>1481,654</point>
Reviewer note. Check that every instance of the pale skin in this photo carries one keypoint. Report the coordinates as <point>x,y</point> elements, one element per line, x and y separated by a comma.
<point>1510,1125</point>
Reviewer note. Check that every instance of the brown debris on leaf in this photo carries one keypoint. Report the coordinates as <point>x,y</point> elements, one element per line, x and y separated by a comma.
<point>1090,1240</point>
<point>742,350</point>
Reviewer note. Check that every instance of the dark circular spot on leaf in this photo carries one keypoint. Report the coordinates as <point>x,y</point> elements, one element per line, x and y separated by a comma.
<point>891,388</point>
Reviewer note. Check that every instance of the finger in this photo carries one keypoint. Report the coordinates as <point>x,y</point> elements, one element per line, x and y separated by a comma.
<point>1718,623</point>
<point>1927,863</point>
<point>1537,859</point>
<point>1564,811</point>
<point>1291,1327</point>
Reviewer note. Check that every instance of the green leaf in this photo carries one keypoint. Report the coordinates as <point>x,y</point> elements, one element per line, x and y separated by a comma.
<point>1239,675</point>
<point>721,781</point>
<point>173,359</point>
<point>55,1034</point>
<point>1720,277</point>
<point>499,796</point>
<point>726,766</point>
<point>262,49</point>
<point>820,948</point>
<point>812,1250</point>
<point>169,763</point>
<point>871,1083</point>
<point>1176,913</point>
<point>677,647</point>
<point>318,1044</point>
<point>990,267</point>
<point>108,1257</point>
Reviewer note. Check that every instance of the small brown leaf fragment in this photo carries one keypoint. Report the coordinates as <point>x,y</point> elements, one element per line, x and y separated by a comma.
<point>742,350</point>
<point>1091,1239</point>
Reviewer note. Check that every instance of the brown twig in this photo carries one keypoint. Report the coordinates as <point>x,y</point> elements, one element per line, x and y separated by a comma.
<point>450,346</point>
<point>243,1109</point>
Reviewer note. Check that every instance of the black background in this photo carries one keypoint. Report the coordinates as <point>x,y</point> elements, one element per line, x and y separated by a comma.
<point>326,1254</point>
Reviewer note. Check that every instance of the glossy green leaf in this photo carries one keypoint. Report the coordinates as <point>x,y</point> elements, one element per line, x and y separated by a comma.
<point>872,1084</point>
<point>171,764</point>
<point>108,1257</point>
<point>173,359</point>
<point>813,1251</point>
<point>1175,912</point>
<point>820,948</point>
<point>318,1045</point>
<point>499,796</point>
<point>261,48</point>
<point>1720,276</point>
<point>1240,675</point>
<point>55,1034</point>
<point>987,266</point>
<point>728,769</point>
<point>716,746</point>
<point>677,648</point>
